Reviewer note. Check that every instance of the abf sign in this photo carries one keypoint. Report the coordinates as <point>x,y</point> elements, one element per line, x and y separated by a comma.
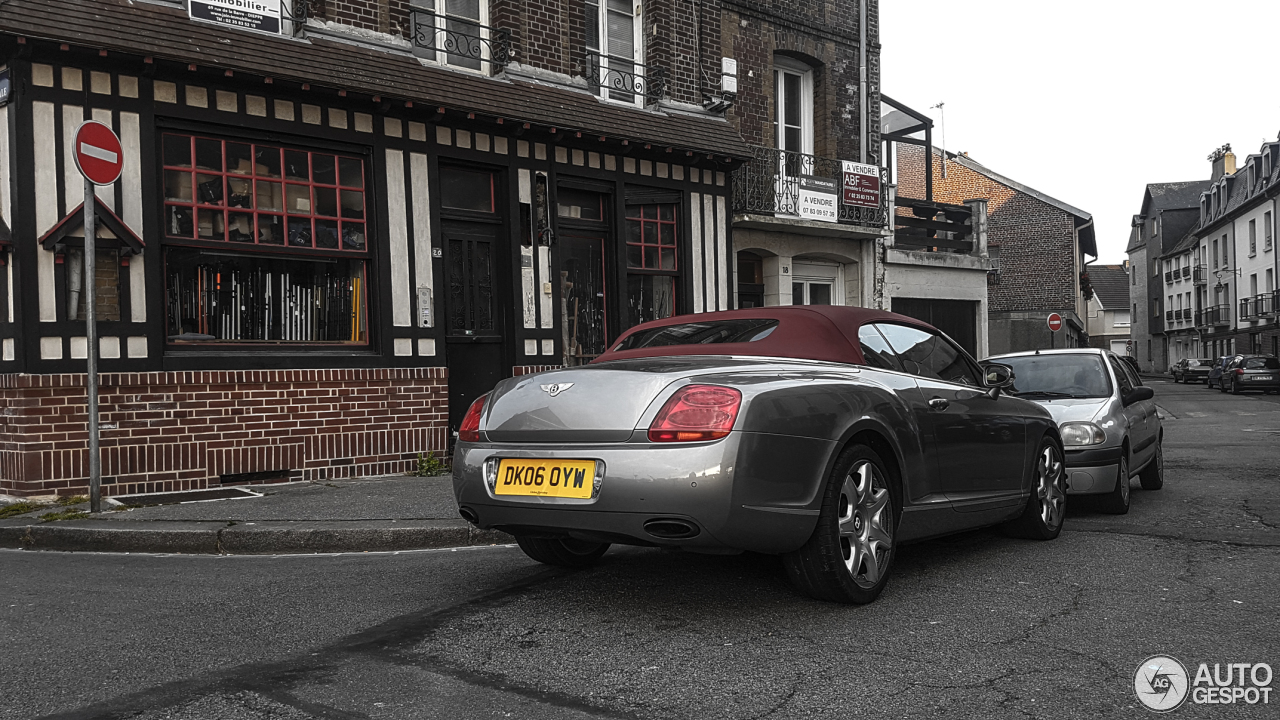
<point>262,15</point>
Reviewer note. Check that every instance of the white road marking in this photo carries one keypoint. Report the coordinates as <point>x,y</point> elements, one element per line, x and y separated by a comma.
<point>94,151</point>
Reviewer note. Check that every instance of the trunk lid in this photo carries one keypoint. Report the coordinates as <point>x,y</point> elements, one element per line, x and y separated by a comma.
<point>591,403</point>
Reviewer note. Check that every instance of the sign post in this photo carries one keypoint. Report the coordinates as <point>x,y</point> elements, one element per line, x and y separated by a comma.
<point>100,159</point>
<point>1055,324</point>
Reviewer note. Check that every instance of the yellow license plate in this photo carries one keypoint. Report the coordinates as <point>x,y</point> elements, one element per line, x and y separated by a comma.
<point>546,478</point>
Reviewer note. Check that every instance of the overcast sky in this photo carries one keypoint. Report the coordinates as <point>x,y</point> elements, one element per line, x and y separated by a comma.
<point>1090,100</point>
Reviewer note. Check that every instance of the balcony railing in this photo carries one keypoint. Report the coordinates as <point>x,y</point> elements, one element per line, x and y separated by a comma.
<point>623,79</point>
<point>1258,307</point>
<point>464,43</point>
<point>1186,313</point>
<point>774,181</point>
<point>1200,275</point>
<point>1215,315</point>
<point>1168,276</point>
<point>1168,316</point>
<point>1186,271</point>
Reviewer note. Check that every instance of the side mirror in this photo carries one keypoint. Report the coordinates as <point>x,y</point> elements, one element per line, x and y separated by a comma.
<point>997,375</point>
<point>1137,394</point>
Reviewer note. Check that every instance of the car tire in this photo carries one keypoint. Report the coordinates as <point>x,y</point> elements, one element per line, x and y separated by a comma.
<point>1116,502</point>
<point>565,552</point>
<point>849,557</point>
<point>1152,476</point>
<point>1042,517</point>
<point>1235,388</point>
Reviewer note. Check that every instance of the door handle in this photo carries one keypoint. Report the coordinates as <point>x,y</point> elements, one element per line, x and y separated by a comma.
<point>939,403</point>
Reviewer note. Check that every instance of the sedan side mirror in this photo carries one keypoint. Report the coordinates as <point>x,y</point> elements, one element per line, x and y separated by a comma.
<point>997,375</point>
<point>1137,394</point>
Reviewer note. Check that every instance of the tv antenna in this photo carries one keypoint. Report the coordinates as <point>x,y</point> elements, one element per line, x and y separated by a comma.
<point>943,116</point>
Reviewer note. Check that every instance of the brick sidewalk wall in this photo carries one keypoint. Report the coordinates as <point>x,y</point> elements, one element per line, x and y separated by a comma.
<point>169,431</point>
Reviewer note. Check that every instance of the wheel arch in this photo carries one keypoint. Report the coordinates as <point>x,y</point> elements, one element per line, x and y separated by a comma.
<point>877,436</point>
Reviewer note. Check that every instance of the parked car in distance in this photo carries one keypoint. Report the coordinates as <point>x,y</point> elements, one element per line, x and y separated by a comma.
<point>1132,361</point>
<point>1214,378</point>
<point>1107,418</point>
<point>1251,373</point>
<point>1189,370</point>
<point>827,435</point>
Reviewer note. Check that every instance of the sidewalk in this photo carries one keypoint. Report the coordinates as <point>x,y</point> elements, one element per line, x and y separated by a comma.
<point>363,515</point>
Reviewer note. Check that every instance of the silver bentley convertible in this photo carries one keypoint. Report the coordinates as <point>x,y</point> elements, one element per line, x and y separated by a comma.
<point>827,435</point>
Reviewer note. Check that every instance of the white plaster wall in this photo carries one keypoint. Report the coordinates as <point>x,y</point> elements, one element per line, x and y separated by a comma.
<point>401,313</point>
<point>47,210</point>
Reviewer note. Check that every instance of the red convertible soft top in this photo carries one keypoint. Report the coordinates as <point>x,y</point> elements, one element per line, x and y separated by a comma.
<point>806,332</point>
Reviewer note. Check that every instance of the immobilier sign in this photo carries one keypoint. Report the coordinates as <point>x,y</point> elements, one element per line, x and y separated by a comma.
<point>261,15</point>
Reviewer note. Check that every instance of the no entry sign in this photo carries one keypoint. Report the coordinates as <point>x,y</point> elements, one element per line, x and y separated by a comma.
<point>98,153</point>
<point>1055,322</point>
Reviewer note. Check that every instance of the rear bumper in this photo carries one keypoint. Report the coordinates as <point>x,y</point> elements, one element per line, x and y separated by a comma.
<point>702,485</point>
<point>1245,383</point>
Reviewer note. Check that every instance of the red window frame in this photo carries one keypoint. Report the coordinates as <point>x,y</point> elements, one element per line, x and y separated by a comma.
<point>653,226</point>
<point>349,227</point>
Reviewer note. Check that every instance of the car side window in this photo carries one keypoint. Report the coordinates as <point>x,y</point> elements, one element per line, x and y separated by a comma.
<point>875,350</point>
<point>1122,377</point>
<point>929,355</point>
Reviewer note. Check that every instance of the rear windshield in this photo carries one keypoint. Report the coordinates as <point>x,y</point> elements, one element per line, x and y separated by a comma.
<point>1197,363</point>
<point>700,333</point>
<point>1261,364</point>
<point>1080,376</point>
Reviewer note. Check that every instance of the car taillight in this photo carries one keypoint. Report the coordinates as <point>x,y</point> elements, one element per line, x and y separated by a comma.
<point>470,430</point>
<point>696,412</point>
<point>1239,371</point>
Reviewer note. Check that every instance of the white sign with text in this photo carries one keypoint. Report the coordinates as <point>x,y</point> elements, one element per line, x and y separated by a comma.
<point>261,15</point>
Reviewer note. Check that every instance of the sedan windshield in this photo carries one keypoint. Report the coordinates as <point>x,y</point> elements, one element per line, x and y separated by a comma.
<point>1066,376</point>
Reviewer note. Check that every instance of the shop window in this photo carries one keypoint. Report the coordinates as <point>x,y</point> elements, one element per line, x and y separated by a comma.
<point>106,280</point>
<point>580,204</point>
<point>216,296</point>
<point>264,243</point>
<point>466,190</point>
<point>651,262</point>
<point>235,192</point>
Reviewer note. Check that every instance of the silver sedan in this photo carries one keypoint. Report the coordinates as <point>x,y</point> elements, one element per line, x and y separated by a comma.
<point>1107,418</point>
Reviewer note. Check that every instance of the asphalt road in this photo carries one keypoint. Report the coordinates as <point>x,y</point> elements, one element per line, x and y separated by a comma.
<point>976,625</point>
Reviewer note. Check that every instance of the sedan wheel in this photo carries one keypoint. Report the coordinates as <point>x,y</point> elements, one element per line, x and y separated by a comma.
<point>849,557</point>
<point>1152,476</point>
<point>1116,502</point>
<point>1042,518</point>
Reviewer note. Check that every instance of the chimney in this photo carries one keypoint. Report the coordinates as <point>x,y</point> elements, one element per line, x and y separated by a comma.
<point>1224,162</point>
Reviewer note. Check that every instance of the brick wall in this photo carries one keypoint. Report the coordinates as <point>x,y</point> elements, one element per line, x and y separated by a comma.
<point>820,33</point>
<point>184,430</point>
<point>551,34</point>
<point>1036,240</point>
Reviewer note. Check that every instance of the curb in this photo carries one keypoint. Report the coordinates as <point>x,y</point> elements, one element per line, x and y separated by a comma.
<point>259,539</point>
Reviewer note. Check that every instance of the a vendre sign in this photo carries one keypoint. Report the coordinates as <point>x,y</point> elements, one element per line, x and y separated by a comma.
<point>261,15</point>
<point>861,185</point>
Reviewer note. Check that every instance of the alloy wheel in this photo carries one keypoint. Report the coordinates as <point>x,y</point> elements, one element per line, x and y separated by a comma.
<point>866,524</point>
<point>1049,474</point>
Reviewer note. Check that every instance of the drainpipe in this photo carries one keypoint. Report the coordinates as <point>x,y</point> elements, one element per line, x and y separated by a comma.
<point>862,82</point>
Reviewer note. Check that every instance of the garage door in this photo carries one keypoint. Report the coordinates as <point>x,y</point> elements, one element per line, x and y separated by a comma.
<point>957,318</point>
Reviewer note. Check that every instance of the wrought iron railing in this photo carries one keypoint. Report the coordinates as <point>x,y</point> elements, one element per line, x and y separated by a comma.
<point>1186,313</point>
<point>1168,316</point>
<point>624,79</point>
<point>463,42</point>
<point>1186,271</point>
<point>769,184</point>
<point>1168,276</point>
<point>1258,306</point>
<point>1215,315</point>
<point>1200,275</point>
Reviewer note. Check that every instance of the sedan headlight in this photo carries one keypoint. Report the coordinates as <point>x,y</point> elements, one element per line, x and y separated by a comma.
<point>1078,434</point>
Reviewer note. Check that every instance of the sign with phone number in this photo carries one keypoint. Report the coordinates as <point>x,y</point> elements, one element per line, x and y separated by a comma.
<point>261,15</point>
